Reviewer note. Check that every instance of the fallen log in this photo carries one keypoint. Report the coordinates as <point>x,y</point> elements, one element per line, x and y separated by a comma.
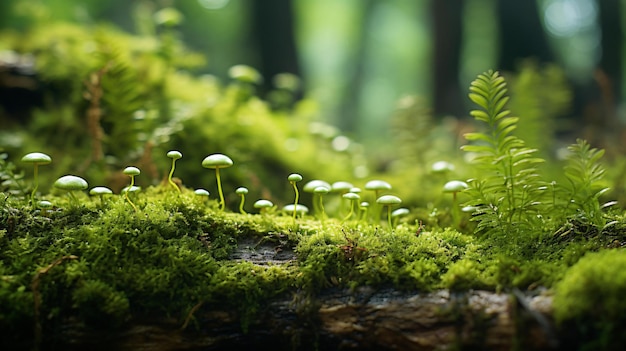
<point>342,320</point>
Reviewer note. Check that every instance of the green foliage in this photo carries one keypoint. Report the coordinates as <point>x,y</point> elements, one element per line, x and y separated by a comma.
<point>585,175</point>
<point>591,296</point>
<point>506,197</point>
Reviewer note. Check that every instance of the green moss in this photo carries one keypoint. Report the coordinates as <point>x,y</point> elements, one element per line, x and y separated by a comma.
<point>591,296</point>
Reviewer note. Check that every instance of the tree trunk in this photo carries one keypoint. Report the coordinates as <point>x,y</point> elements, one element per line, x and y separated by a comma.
<point>447,36</point>
<point>521,34</point>
<point>273,32</point>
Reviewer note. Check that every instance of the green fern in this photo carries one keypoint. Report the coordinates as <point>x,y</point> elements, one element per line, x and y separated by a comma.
<point>585,175</point>
<point>508,197</point>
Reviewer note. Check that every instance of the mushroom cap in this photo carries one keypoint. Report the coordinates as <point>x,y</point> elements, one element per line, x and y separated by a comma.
<point>201,192</point>
<point>299,208</point>
<point>377,185</point>
<point>70,182</point>
<point>442,167</point>
<point>217,161</point>
<point>355,190</point>
<point>174,154</point>
<point>241,190</point>
<point>37,158</point>
<point>351,196</point>
<point>321,190</point>
<point>388,200</point>
<point>131,189</point>
<point>131,171</point>
<point>100,190</point>
<point>44,204</point>
<point>311,185</point>
<point>294,177</point>
<point>454,186</point>
<point>341,187</point>
<point>400,212</point>
<point>365,204</point>
<point>263,204</point>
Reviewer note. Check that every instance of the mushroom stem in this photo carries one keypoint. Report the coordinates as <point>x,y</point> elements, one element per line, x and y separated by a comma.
<point>132,183</point>
<point>169,177</point>
<point>219,188</point>
<point>389,217</point>
<point>295,201</point>
<point>32,195</point>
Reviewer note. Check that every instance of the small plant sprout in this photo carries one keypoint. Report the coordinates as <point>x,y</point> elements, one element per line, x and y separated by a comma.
<point>454,186</point>
<point>265,205</point>
<point>300,209</point>
<point>132,172</point>
<point>71,183</point>
<point>293,179</point>
<point>353,198</point>
<point>397,213</point>
<point>174,155</point>
<point>388,200</point>
<point>242,191</point>
<point>100,191</point>
<point>319,193</point>
<point>217,161</point>
<point>36,158</point>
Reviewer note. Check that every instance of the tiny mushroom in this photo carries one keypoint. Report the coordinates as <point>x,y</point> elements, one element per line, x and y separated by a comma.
<point>397,213</point>
<point>310,186</point>
<point>353,198</point>
<point>442,167</point>
<point>301,209</point>
<point>293,179</point>
<point>341,187</point>
<point>202,194</point>
<point>100,191</point>
<point>454,186</point>
<point>319,192</point>
<point>71,183</point>
<point>132,172</point>
<point>242,191</point>
<point>388,200</point>
<point>45,206</point>
<point>217,161</point>
<point>36,158</point>
<point>364,206</point>
<point>263,205</point>
<point>377,186</point>
<point>174,155</point>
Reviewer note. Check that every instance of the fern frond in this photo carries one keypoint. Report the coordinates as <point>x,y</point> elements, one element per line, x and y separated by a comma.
<point>585,175</point>
<point>509,195</point>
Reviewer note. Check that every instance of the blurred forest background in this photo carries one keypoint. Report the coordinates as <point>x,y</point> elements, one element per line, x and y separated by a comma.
<point>358,57</point>
<point>382,89</point>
